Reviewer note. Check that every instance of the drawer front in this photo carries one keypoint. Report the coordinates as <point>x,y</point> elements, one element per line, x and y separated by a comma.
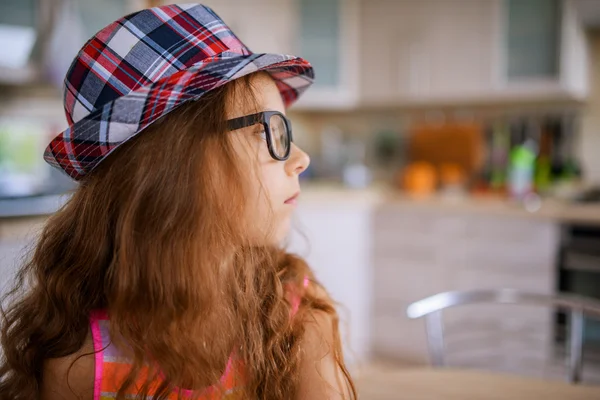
<point>408,281</point>
<point>515,259</point>
<point>402,248</point>
<point>510,230</point>
<point>535,281</point>
<point>392,218</point>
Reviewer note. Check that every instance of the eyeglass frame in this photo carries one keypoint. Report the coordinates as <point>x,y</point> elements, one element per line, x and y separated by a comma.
<point>264,118</point>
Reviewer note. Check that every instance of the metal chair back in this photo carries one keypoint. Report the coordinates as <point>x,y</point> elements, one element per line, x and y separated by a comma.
<point>431,309</point>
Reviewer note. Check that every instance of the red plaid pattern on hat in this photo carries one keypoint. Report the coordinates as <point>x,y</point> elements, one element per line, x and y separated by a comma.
<point>144,65</point>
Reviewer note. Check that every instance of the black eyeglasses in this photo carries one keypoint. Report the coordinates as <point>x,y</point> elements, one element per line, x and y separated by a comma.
<point>278,131</point>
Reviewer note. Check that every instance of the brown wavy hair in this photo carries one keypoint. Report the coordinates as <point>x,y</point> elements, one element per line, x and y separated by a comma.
<point>153,235</point>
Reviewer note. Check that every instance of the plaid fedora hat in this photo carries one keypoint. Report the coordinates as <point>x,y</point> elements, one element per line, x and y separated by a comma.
<point>143,66</point>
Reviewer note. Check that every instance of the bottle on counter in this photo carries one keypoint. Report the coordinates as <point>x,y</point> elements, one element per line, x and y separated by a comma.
<point>521,169</point>
<point>500,144</point>
<point>543,165</point>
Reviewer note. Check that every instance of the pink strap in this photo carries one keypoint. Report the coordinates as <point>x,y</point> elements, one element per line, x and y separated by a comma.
<point>95,317</point>
<point>297,298</point>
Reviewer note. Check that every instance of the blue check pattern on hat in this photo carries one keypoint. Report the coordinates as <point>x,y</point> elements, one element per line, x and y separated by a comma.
<point>144,65</point>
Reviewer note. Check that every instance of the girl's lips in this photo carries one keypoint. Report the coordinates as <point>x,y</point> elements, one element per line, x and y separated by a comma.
<point>293,200</point>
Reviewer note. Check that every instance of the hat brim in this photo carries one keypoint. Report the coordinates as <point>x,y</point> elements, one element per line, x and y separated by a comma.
<point>81,147</point>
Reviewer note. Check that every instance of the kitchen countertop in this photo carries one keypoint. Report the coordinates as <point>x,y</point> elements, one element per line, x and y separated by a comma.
<point>548,209</point>
<point>370,198</point>
<point>381,196</point>
<point>33,206</point>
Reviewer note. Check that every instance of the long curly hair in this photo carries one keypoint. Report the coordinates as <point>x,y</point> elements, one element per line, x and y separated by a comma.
<point>154,237</point>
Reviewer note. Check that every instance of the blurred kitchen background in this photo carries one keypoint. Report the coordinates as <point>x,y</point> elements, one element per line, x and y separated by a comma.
<point>455,145</point>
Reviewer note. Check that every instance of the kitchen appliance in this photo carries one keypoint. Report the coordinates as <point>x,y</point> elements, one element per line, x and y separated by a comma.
<point>579,274</point>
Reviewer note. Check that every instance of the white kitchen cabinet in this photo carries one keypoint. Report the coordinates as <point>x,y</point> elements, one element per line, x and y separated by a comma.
<point>335,239</point>
<point>327,34</point>
<point>465,51</point>
<point>426,50</point>
<point>421,252</point>
<point>265,26</point>
<point>542,49</point>
<point>390,32</point>
<point>411,260</point>
<point>532,39</point>
<point>462,57</point>
<point>504,253</point>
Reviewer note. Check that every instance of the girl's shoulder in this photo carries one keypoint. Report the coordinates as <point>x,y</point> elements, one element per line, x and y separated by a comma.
<point>70,377</point>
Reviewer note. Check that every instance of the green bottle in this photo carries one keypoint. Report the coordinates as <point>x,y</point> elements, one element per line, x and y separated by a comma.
<point>521,168</point>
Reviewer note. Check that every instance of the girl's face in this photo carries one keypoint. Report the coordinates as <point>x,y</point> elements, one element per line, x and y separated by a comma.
<point>274,185</point>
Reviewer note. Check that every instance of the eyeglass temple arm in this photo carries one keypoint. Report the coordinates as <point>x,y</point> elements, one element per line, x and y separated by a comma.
<point>246,120</point>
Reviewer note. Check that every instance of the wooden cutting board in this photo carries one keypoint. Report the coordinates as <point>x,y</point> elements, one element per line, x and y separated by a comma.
<point>459,143</point>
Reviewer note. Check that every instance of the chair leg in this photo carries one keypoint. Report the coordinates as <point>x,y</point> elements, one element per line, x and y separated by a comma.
<point>575,346</point>
<point>435,337</point>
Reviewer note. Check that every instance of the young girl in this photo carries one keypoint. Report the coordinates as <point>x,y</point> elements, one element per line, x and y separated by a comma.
<point>163,276</point>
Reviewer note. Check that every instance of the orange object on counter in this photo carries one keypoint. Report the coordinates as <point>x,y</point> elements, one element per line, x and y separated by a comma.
<point>419,179</point>
<point>452,174</point>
